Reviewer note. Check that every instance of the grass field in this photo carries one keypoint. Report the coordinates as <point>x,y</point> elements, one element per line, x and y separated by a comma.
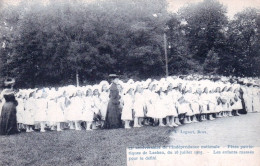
<point>100,147</point>
<point>108,147</point>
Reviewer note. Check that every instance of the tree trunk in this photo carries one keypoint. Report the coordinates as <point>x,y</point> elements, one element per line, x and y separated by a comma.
<point>77,78</point>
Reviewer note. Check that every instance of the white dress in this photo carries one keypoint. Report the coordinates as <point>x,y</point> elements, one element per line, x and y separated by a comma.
<point>219,106</point>
<point>20,110</point>
<point>193,99</point>
<point>256,100</point>
<point>51,112</point>
<point>30,107</point>
<point>204,103</point>
<point>150,104</point>
<point>212,98</point>
<point>66,109</point>
<point>139,104</point>
<point>88,109</point>
<point>160,106</point>
<point>237,102</point>
<point>248,98</point>
<point>146,93</point>
<point>226,96</point>
<point>41,114</point>
<point>171,104</point>
<point>75,109</point>
<point>184,108</point>
<point>97,104</point>
<point>176,96</point>
<point>60,116</point>
<point>127,111</point>
<point>104,97</point>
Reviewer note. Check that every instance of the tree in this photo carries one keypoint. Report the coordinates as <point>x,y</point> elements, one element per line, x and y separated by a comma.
<point>205,23</point>
<point>244,43</point>
<point>54,41</point>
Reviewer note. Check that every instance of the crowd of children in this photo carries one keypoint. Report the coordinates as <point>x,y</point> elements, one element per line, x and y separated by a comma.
<point>170,101</point>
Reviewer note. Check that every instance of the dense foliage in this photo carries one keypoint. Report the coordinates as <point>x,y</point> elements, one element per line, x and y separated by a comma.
<point>46,44</point>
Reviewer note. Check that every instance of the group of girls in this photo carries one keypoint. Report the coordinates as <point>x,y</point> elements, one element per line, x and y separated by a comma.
<point>41,108</point>
<point>170,101</point>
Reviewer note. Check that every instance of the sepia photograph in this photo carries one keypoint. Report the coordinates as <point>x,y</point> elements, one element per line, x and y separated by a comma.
<point>129,82</point>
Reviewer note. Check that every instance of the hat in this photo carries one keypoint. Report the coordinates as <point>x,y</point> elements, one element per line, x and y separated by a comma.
<point>130,81</point>
<point>162,80</point>
<point>104,83</point>
<point>113,76</point>
<point>9,81</point>
<point>39,94</point>
<point>127,87</point>
<point>137,83</point>
<point>170,79</point>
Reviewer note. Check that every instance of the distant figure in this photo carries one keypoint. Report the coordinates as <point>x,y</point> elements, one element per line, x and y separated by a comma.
<point>8,122</point>
<point>113,117</point>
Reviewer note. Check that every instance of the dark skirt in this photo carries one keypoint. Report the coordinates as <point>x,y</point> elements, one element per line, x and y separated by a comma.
<point>113,118</point>
<point>8,122</point>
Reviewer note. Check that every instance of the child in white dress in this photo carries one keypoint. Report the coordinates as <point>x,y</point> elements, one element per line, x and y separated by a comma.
<point>42,105</point>
<point>121,93</point>
<point>60,111</point>
<point>128,105</point>
<point>146,93</point>
<point>139,104</point>
<point>75,109</point>
<point>20,111</point>
<point>225,99</point>
<point>219,108</point>
<point>160,106</point>
<point>193,99</point>
<point>212,98</point>
<point>69,110</point>
<point>183,108</point>
<point>237,101</point>
<point>230,97</point>
<point>52,110</point>
<point>248,98</point>
<point>256,99</point>
<point>151,100</point>
<point>88,111</point>
<point>104,99</point>
<point>96,106</point>
<point>30,107</point>
<point>176,94</point>
<point>205,109</point>
<point>172,112</point>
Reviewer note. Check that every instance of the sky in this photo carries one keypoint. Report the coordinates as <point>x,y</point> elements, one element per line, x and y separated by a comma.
<point>233,6</point>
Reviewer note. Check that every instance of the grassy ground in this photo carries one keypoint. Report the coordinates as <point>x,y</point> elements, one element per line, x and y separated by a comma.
<point>100,147</point>
<point>108,147</point>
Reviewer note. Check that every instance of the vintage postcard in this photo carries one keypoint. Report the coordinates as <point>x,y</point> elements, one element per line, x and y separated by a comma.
<point>129,82</point>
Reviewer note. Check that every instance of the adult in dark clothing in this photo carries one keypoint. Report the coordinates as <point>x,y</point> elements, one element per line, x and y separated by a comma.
<point>8,122</point>
<point>113,118</point>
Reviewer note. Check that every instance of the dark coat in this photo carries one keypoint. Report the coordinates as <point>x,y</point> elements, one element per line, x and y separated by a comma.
<point>113,118</point>
<point>8,122</point>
